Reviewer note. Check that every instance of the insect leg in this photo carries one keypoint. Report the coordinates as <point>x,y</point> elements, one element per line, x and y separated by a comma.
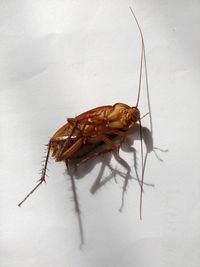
<point>117,132</point>
<point>74,122</point>
<point>67,141</point>
<point>121,135</point>
<point>43,175</point>
<point>72,149</point>
<point>107,141</point>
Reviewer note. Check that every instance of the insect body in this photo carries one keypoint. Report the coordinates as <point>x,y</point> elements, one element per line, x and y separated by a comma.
<point>93,126</point>
<point>89,128</point>
<point>80,136</point>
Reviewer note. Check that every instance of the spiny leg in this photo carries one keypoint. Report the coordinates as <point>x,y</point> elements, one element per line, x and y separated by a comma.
<point>72,149</point>
<point>43,175</point>
<point>74,123</point>
<point>76,203</point>
<point>67,141</point>
<point>67,154</point>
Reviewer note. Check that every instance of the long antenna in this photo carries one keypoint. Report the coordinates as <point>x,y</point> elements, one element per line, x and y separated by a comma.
<point>142,55</point>
<point>142,162</point>
<point>138,97</point>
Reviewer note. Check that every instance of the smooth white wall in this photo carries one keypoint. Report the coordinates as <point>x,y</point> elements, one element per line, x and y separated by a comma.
<point>60,58</point>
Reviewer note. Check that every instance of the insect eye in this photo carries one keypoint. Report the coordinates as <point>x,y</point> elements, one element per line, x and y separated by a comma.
<point>136,113</point>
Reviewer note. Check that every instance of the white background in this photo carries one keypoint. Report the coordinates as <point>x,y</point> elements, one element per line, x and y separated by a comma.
<point>60,58</point>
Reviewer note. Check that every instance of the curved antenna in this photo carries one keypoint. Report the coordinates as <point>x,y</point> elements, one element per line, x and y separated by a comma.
<point>142,55</point>
<point>138,98</point>
<point>148,95</point>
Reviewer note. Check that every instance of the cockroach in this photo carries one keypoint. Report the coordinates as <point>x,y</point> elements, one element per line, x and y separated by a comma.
<point>91,128</point>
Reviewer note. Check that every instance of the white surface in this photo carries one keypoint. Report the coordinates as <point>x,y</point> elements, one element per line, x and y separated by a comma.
<point>60,58</point>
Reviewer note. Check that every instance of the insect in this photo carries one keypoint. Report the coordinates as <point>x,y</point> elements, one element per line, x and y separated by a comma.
<point>90,129</point>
